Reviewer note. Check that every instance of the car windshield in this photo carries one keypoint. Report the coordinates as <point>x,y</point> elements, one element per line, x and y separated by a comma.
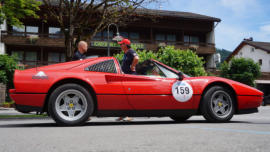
<point>153,69</point>
<point>149,68</point>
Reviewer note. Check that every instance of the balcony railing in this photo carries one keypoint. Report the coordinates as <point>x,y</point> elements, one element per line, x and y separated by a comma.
<point>40,35</point>
<point>29,38</point>
<point>27,34</point>
<point>57,40</point>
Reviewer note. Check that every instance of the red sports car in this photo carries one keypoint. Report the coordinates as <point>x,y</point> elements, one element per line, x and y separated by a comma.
<point>71,92</point>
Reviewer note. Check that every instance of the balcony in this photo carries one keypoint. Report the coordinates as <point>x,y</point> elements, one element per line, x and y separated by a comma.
<point>34,39</point>
<point>199,48</point>
<point>53,40</point>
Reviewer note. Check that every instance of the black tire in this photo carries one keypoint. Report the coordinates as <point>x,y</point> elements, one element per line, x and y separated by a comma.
<point>218,104</point>
<point>180,118</point>
<point>85,102</point>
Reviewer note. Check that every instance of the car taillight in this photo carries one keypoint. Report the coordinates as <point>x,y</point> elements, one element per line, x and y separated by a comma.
<point>12,91</point>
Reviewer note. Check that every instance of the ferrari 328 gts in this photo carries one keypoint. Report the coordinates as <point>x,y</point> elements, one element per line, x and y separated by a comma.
<point>71,92</point>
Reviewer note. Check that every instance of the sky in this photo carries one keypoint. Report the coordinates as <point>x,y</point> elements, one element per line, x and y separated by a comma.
<point>239,18</point>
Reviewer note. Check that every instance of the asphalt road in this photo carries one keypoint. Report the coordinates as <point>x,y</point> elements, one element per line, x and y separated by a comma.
<point>245,133</point>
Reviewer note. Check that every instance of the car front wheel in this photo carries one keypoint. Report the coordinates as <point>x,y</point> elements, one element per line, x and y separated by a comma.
<point>218,104</point>
<point>70,104</point>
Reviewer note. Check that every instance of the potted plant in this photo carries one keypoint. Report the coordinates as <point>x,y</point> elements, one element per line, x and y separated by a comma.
<point>32,38</point>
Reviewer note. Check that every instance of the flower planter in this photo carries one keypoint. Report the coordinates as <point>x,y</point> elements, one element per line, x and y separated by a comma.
<point>32,39</point>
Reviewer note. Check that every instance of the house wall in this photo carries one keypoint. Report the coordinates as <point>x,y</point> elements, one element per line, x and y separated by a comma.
<point>250,52</point>
<point>3,27</point>
<point>210,37</point>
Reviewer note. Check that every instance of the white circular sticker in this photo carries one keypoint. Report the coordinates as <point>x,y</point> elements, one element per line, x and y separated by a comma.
<point>182,91</point>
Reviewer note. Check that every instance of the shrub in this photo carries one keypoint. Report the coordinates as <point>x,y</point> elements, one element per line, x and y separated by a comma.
<point>185,61</point>
<point>8,65</point>
<point>143,55</point>
<point>119,56</point>
<point>241,70</point>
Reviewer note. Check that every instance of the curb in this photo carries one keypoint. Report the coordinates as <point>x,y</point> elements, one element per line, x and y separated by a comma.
<point>28,118</point>
<point>12,114</point>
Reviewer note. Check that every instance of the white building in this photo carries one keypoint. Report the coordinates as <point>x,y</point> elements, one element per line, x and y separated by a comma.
<point>259,52</point>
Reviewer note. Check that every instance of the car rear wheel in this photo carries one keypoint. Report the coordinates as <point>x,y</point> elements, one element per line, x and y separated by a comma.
<point>70,104</point>
<point>180,118</point>
<point>218,104</point>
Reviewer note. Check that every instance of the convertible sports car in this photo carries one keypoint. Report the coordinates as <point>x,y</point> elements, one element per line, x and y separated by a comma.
<point>71,92</point>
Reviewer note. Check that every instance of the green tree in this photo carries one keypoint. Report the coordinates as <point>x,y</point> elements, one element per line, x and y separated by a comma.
<point>13,11</point>
<point>94,15</point>
<point>241,70</point>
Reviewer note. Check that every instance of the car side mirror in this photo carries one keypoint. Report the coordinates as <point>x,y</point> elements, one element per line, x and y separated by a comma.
<point>180,76</point>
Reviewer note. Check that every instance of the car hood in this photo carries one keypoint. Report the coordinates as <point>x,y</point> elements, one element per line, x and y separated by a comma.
<point>240,88</point>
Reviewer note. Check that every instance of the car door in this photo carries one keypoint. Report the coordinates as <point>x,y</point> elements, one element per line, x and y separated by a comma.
<point>108,86</point>
<point>154,89</point>
<point>147,92</point>
<point>181,90</point>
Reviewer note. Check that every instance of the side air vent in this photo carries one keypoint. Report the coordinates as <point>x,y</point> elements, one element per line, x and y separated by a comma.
<point>105,66</point>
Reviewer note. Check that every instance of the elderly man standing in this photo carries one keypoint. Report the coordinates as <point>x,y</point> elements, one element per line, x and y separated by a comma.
<point>80,53</point>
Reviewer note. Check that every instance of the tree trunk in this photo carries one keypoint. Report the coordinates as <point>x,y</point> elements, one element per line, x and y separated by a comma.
<point>69,40</point>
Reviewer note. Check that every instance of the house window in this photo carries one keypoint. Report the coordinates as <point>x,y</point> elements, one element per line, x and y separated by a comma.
<point>171,37</point>
<point>186,38</point>
<point>166,37</point>
<point>134,35</point>
<point>194,39</point>
<point>98,36</point>
<point>18,55</point>
<point>131,35</point>
<point>56,57</point>
<point>124,34</point>
<point>30,58</point>
<point>26,57</point>
<point>55,32</point>
<point>191,39</point>
<point>260,62</point>
<point>31,29</point>
<point>160,37</point>
<point>105,34</point>
<point>63,57</point>
<point>18,31</point>
<point>240,54</point>
<point>252,49</point>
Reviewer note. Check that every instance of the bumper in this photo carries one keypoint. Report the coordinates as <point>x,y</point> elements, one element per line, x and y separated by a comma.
<point>27,99</point>
<point>249,102</point>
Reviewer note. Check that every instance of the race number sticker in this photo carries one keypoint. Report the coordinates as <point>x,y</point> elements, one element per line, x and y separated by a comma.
<point>182,91</point>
